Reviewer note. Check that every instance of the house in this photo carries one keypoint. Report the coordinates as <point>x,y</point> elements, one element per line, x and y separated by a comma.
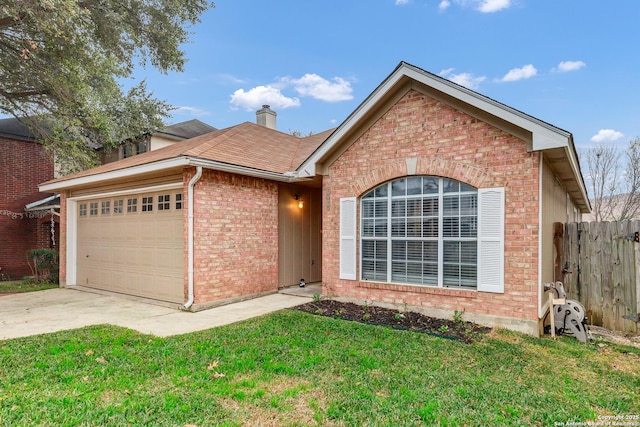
<point>24,164</point>
<point>429,196</point>
<point>28,217</point>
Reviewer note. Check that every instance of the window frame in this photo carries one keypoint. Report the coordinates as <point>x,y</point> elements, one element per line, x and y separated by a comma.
<point>397,232</point>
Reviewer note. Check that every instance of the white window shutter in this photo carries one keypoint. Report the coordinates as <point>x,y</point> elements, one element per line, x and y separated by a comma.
<point>348,231</point>
<point>491,240</point>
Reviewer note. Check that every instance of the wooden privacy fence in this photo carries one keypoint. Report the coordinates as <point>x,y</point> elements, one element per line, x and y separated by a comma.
<point>600,264</point>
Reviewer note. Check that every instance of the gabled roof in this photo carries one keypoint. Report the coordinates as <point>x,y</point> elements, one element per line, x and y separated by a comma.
<point>246,148</point>
<point>540,136</point>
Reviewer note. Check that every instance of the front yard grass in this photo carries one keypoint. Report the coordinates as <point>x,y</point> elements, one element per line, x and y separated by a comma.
<point>293,368</point>
<point>19,286</point>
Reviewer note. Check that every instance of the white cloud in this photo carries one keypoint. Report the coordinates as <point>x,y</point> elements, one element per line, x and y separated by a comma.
<point>320,88</point>
<point>516,74</point>
<point>260,95</point>
<point>607,135</point>
<point>463,79</point>
<point>401,2</point>
<point>193,111</point>
<point>490,6</point>
<point>444,5</point>
<point>566,66</point>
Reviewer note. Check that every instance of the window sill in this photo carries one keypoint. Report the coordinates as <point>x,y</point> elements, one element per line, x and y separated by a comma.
<point>462,293</point>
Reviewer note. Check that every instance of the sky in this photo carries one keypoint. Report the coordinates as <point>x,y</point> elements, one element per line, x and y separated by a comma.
<point>572,63</point>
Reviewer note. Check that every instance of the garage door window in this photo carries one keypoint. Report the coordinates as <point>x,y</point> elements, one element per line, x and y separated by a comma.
<point>83,209</point>
<point>147,204</point>
<point>178,201</point>
<point>117,207</point>
<point>93,208</point>
<point>106,207</point>
<point>164,202</point>
<point>132,205</point>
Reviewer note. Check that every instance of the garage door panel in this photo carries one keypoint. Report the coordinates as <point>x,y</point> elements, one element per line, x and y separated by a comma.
<point>137,253</point>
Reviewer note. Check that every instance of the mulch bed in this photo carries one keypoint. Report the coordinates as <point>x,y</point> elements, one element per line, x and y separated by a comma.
<point>460,330</point>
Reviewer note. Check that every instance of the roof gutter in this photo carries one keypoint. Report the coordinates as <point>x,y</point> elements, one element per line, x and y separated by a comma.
<point>191,204</point>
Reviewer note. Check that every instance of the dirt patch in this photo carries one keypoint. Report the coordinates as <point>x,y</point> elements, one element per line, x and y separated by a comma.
<point>455,329</point>
<point>616,337</point>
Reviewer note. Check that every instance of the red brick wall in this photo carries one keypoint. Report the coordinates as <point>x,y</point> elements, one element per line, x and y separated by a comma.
<point>452,144</point>
<point>23,165</point>
<point>236,236</point>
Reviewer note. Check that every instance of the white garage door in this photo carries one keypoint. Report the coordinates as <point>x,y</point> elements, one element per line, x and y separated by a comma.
<point>133,244</point>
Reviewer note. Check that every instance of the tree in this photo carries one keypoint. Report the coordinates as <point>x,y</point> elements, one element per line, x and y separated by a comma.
<point>62,63</point>
<point>615,188</point>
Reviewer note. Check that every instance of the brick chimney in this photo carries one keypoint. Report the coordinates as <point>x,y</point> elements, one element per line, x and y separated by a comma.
<point>266,117</point>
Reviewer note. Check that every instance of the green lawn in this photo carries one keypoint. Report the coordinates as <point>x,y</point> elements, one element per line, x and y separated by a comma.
<point>19,286</point>
<point>293,368</point>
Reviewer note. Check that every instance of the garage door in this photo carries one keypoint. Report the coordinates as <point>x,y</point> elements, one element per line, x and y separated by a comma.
<point>133,244</point>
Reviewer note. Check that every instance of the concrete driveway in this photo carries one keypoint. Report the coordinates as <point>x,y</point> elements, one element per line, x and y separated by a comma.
<point>53,310</point>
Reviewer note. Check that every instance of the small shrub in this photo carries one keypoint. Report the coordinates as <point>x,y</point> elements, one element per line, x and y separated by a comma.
<point>44,264</point>
<point>443,329</point>
<point>316,298</point>
<point>457,316</point>
<point>399,316</point>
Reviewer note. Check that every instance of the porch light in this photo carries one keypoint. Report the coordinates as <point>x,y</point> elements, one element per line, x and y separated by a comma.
<point>299,200</point>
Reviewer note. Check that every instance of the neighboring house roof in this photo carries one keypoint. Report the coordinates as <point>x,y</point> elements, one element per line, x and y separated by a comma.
<point>185,130</point>
<point>557,144</point>
<point>14,128</point>
<point>246,148</point>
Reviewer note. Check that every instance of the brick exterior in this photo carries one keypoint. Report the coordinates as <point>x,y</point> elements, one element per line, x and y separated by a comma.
<point>235,236</point>
<point>440,140</point>
<point>23,165</point>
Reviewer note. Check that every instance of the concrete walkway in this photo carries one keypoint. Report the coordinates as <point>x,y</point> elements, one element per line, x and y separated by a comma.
<point>53,310</point>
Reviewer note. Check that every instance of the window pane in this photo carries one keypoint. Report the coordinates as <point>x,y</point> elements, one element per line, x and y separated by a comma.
<point>469,204</point>
<point>464,188</point>
<point>368,209</point>
<point>414,185</point>
<point>414,227</point>
<point>399,227</point>
<point>398,208</point>
<point>430,227</point>
<point>398,272</point>
<point>469,252</point>
<point>450,205</point>
<point>414,272</point>
<point>414,207</point>
<point>468,226</point>
<point>382,191</point>
<point>380,228</point>
<point>430,206</point>
<point>367,228</point>
<point>414,251</point>
<point>450,227</point>
<point>398,250</point>
<point>399,187</point>
<point>430,252</point>
<point>450,186</point>
<point>381,209</point>
<point>430,274</point>
<point>430,185</point>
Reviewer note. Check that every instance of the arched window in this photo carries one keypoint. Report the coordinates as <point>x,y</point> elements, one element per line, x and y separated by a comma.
<point>420,230</point>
